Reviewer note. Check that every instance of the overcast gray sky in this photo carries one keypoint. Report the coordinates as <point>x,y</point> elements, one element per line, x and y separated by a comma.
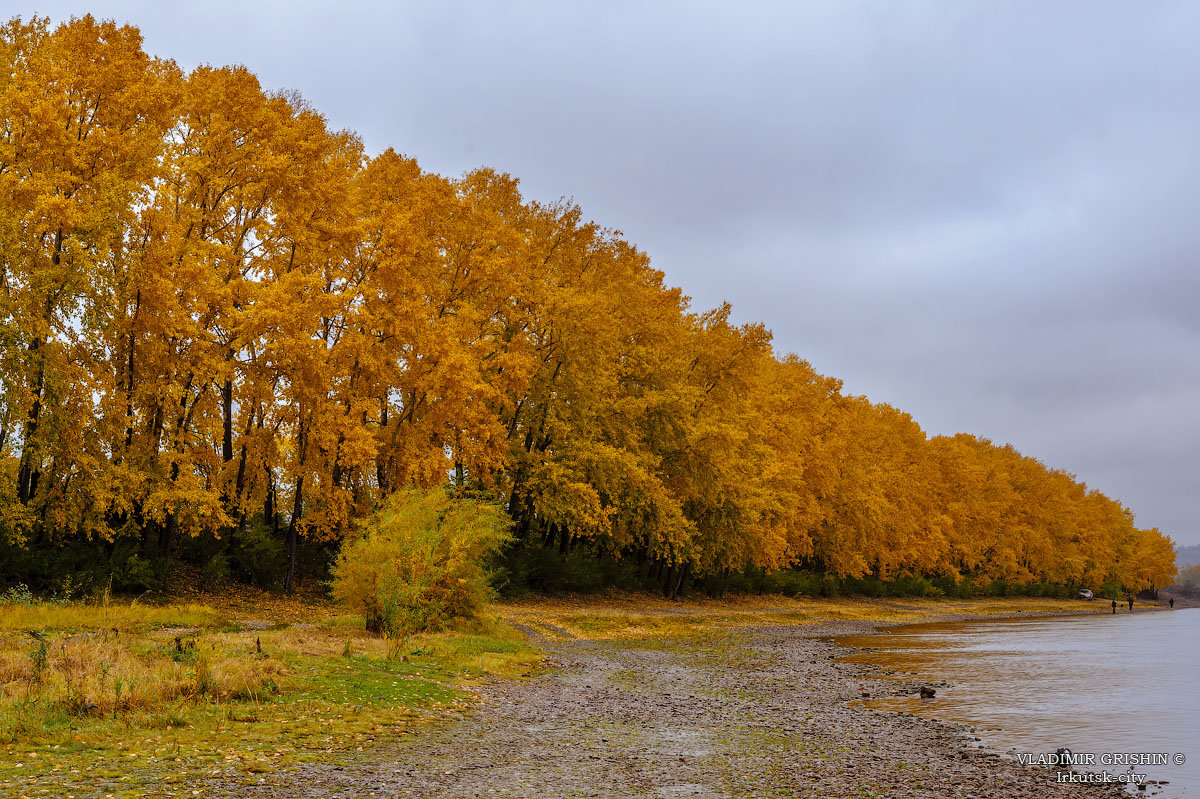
<point>982,213</point>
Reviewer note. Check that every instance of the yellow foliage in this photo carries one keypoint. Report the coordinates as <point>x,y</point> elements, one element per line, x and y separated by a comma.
<point>215,308</point>
<point>419,561</point>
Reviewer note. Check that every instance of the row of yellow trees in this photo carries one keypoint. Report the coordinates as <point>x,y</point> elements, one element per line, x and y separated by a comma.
<point>214,307</point>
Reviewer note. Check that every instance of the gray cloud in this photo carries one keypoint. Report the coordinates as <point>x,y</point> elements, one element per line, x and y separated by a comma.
<point>979,212</point>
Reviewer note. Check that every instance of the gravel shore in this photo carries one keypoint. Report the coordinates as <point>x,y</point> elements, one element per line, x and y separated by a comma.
<point>757,712</point>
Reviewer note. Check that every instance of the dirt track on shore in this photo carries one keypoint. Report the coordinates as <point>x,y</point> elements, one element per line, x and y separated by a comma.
<point>759,712</point>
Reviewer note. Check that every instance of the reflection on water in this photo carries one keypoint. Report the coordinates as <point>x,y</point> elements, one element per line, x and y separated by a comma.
<point>1099,684</point>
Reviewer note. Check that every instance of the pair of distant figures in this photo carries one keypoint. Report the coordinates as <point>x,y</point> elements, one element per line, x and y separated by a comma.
<point>1129,599</point>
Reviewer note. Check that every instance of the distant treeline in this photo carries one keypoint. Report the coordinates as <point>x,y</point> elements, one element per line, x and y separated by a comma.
<point>1189,577</point>
<point>228,334</point>
<point>1187,556</point>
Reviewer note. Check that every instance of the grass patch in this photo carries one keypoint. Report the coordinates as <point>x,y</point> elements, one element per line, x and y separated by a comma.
<point>123,617</point>
<point>129,699</point>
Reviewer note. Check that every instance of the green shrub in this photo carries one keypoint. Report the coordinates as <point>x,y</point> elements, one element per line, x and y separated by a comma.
<point>544,570</point>
<point>741,583</point>
<point>18,594</point>
<point>136,574</point>
<point>793,583</point>
<point>256,554</point>
<point>217,571</point>
<point>419,560</point>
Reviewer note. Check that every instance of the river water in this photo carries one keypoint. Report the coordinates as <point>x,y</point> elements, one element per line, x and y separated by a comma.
<point>1106,685</point>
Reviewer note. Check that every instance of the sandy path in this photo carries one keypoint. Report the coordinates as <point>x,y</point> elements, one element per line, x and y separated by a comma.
<point>757,713</point>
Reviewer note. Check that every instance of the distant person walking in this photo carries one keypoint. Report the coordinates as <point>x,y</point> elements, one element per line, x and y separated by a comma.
<point>1130,598</point>
<point>1171,602</point>
<point>1114,607</point>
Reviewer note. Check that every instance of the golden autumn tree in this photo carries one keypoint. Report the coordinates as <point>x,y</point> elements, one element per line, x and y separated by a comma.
<point>600,327</point>
<point>218,315</point>
<point>85,113</point>
<point>441,346</point>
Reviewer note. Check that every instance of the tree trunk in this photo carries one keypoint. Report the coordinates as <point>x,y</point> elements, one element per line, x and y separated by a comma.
<point>336,471</point>
<point>269,499</point>
<point>293,532</point>
<point>240,484</point>
<point>679,580</point>
<point>166,535</point>
<point>27,474</point>
<point>129,370</point>
<point>381,459</point>
<point>227,420</point>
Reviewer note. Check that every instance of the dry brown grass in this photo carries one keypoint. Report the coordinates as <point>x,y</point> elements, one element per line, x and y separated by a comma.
<point>100,616</point>
<point>640,616</point>
<point>97,674</point>
<point>141,695</point>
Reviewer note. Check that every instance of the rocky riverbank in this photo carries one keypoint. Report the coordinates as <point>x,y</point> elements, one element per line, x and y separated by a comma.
<point>751,712</point>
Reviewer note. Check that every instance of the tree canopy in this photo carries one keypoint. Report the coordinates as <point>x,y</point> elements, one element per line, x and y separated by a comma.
<point>218,312</point>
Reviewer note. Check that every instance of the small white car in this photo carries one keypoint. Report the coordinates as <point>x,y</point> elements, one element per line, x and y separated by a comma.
<point>1086,594</point>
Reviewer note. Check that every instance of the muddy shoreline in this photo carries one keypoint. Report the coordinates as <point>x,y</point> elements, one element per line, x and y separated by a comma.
<point>752,712</point>
<point>995,740</point>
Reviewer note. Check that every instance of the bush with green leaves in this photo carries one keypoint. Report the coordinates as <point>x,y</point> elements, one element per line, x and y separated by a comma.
<point>217,571</point>
<point>257,555</point>
<point>419,560</point>
<point>18,594</point>
<point>137,573</point>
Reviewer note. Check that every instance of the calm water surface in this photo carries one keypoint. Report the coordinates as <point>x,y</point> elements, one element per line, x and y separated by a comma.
<point>1099,684</point>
